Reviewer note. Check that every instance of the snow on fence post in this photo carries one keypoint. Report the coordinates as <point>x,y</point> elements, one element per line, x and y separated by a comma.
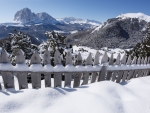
<point>57,76</point>
<point>35,76</point>
<point>86,75</point>
<point>103,71</point>
<point>126,72</point>
<point>8,77</point>
<point>137,71</point>
<point>111,62</point>
<point>46,61</point>
<point>68,76</point>
<point>22,76</point>
<point>116,72</point>
<point>120,73</point>
<point>96,62</point>
<point>131,72</point>
<point>77,76</point>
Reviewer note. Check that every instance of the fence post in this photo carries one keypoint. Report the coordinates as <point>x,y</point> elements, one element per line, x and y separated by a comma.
<point>103,71</point>
<point>57,76</point>
<point>22,76</point>
<point>35,76</point>
<point>86,74</point>
<point>96,62</point>
<point>77,76</point>
<point>46,61</point>
<point>8,77</point>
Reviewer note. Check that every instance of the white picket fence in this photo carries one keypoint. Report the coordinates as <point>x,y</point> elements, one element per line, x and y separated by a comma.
<point>97,70</point>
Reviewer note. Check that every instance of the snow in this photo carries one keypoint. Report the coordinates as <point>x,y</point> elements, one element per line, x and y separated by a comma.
<point>72,20</point>
<point>100,97</point>
<point>84,55</point>
<point>97,28</point>
<point>75,31</point>
<point>140,16</point>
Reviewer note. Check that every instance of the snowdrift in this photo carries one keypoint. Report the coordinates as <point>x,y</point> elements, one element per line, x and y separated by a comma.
<point>100,97</point>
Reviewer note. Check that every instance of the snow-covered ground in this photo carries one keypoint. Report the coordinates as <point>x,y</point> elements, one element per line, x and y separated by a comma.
<point>100,97</point>
<point>85,53</point>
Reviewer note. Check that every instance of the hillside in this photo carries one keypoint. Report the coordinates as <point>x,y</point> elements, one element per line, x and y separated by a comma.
<point>124,31</point>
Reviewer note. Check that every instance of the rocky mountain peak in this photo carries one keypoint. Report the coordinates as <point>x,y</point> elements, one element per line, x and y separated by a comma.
<point>26,16</point>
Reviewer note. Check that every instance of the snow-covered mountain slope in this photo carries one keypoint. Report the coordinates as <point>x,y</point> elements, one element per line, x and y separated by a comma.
<point>123,31</point>
<point>46,18</point>
<point>100,97</point>
<point>72,20</point>
<point>140,16</point>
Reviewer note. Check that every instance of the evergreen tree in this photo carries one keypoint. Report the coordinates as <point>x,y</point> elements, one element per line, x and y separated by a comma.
<point>55,41</point>
<point>21,41</point>
<point>142,49</point>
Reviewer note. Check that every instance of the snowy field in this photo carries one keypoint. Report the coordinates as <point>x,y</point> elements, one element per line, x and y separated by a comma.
<point>86,51</point>
<point>101,97</point>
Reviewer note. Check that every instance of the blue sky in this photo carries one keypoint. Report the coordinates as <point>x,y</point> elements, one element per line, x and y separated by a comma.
<point>99,10</point>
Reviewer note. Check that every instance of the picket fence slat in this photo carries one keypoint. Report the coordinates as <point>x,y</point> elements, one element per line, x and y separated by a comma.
<point>36,77</point>
<point>115,74</point>
<point>103,71</point>
<point>68,76</point>
<point>8,77</point>
<point>131,72</point>
<point>96,62</point>
<point>57,62</point>
<point>77,76</point>
<point>21,76</point>
<point>46,61</point>
<point>109,74</point>
<point>88,62</point>
<point>120,73</point>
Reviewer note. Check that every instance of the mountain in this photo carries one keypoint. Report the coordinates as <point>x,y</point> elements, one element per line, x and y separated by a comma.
<point>72,20</point>
<point>36,24</point>
<point>124,31</point>
<point>25,16</point>
<point>46,18</point>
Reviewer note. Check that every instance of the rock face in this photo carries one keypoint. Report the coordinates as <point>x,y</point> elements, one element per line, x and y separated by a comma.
<point>25,16</point>
<point>116,32</point>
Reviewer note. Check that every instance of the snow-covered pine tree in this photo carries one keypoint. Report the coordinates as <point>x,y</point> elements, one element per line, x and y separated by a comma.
<point>142,49</point>
<point>21,41</point>
<point>54,41</point>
